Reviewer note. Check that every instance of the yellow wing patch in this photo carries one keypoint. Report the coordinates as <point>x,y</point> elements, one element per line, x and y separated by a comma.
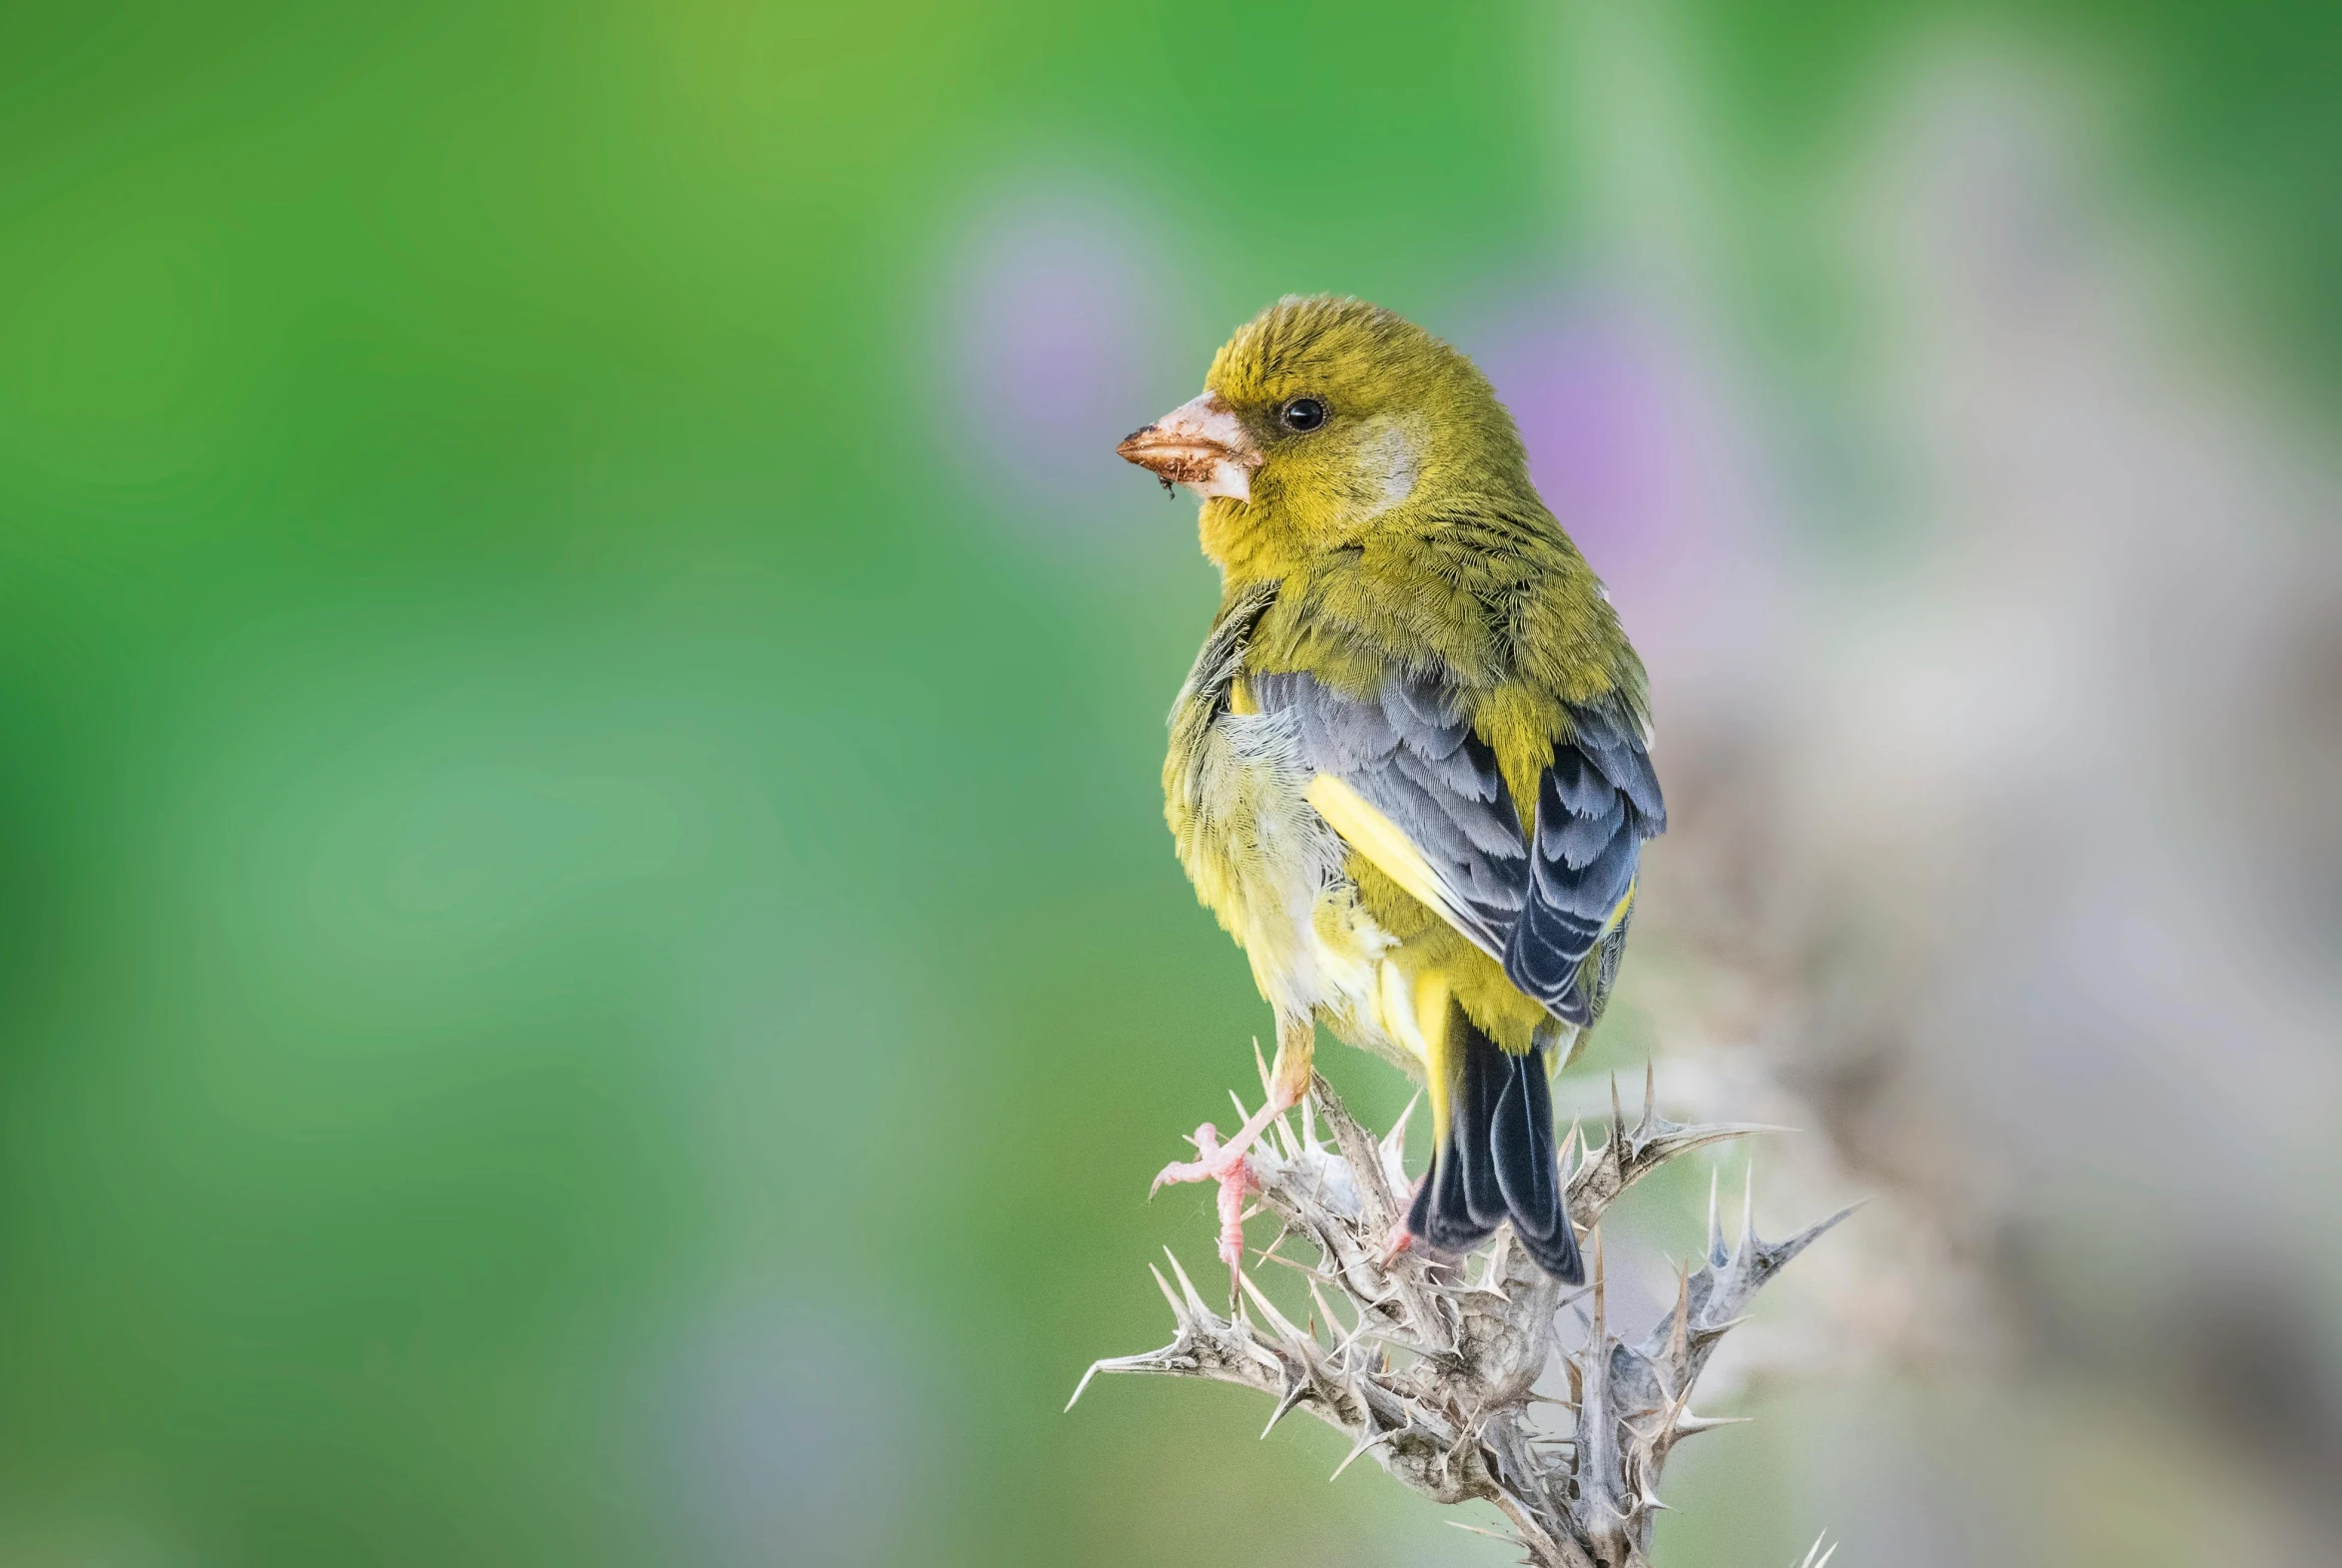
<point>1376,837</point>
<point>1618,911</point>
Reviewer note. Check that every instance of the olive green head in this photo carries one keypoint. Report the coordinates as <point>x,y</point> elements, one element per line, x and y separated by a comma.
<point>1325,417</point>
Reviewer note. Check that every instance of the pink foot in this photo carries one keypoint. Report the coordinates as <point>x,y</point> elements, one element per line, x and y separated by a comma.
<point>1399,1240</point>
<point>1233,1171</point>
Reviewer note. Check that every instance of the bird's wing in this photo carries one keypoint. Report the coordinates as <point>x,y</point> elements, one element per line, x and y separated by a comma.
<point>1402,778</point>
<point>1596,803</point>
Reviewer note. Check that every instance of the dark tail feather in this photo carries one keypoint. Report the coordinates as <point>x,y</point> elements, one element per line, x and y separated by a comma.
<point>1462,1202</point>
<point>1527,1168</point>
<point>1474,1121</point>
<point>1497,1160</point>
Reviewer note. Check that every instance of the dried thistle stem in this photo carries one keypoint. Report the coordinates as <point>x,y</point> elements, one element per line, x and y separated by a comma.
<point>1435,1371</point>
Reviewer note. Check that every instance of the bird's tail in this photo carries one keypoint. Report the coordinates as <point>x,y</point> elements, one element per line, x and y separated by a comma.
<point>1495,1159</point>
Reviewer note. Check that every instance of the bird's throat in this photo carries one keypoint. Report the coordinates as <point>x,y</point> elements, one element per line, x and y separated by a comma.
<point>1250,542</point>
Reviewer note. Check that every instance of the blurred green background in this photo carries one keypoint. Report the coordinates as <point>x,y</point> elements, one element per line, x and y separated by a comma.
<point>588,967</point>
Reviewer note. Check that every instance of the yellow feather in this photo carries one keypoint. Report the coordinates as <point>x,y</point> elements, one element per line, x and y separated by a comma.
<point>1376,837</point>
<point>1431,997</point>
<point>1618,911</point>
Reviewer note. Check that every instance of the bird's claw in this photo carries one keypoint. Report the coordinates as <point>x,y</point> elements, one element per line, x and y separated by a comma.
<point>1213,1163</point>
<point>1233,1171</point>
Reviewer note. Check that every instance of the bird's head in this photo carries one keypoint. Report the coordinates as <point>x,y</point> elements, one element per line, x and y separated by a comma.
<point>1322,418</point>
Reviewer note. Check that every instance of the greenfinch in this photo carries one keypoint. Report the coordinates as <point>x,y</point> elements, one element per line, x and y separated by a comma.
<point>1409,771</point>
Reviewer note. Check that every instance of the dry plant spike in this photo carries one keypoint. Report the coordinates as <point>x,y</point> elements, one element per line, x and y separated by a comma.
<point>1431,1362</point>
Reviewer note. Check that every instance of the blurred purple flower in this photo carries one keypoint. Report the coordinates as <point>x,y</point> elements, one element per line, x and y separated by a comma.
<point>1599,428</point>
<point>1633,444</point>
<point>1059,338</point>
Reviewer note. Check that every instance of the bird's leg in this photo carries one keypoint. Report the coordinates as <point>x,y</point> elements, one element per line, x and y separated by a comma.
<point>1224,1162</point>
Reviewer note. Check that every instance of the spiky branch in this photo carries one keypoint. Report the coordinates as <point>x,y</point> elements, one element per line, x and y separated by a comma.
<point>1435,1371</point>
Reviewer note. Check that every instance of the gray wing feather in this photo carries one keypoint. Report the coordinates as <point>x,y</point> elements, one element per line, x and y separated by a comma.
<point>1544,912</point>
<point>1411,755</point>
<point>1597,803</point>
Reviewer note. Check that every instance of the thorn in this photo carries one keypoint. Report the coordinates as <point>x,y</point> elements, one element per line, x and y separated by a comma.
<point>1715,1252</point>
<point>1334,1328</point>
<point>1187,1285</point>
<point>1747,1206</point>
<point>1383,1342</point>
<point>1394,1142</point>
<point>1650,1089</point>
<point>1781,1253</point>
<point>1179,1312</point>
<point>1617,1116</point>
<point>1493,1535</point>
<point>1687,1423</point>
<point>1469,1435</point>
<point>1285,1405</point>
<point>1499,1260</point>
<point>1309,1123</point>
<point>1298,1268</point>
<point>1679,1333</point>
<point>1381,1339</point>
<point>1083,1383</point>
<point>1277,1319</point>
<point>1262,1063</point>
<point>1368,1440</point>
<point>1242,1116</point>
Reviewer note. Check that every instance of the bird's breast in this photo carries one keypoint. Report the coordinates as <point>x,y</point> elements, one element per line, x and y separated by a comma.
<point>1273,869</point>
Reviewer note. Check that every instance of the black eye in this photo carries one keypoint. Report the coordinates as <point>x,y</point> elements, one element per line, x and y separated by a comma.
<point>1302,413</point>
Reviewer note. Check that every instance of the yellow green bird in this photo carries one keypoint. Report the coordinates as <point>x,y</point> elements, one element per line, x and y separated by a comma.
<point>1409,771</point>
